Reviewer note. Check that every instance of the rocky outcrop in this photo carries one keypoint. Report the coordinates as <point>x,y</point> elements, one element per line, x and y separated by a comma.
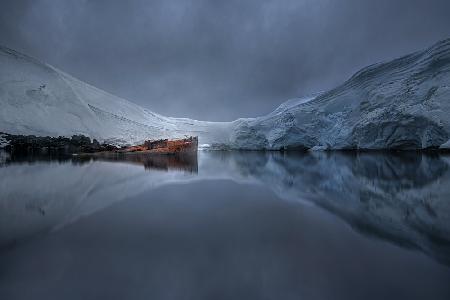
<point>30,144</point>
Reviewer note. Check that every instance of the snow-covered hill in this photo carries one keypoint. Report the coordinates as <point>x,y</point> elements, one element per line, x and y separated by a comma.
<point>39,99</point>
<point>404,103</point>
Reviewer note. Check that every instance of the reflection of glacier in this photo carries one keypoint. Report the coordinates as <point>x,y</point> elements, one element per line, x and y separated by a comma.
<point>403,199</point>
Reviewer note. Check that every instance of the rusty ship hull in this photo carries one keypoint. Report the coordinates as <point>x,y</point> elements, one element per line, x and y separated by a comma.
<point>186,146</point>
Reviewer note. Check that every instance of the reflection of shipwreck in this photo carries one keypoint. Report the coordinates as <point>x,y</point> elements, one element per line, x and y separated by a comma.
<point>176,161</point>
<point>186,162</point>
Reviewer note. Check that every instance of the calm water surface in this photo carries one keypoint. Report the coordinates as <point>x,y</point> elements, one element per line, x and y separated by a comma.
<point>226,226</point>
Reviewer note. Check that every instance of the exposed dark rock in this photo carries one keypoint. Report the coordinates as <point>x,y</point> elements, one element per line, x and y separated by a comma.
<point>31,144</point>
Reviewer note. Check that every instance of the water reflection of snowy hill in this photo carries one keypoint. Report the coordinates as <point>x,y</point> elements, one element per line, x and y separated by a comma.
<point>401,198</point>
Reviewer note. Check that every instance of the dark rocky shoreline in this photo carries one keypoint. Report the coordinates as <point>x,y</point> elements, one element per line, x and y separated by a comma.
<point>31,144</point>
<point>77,144</point>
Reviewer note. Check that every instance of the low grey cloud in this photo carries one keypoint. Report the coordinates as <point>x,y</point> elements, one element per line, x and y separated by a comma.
<point>218,60</point>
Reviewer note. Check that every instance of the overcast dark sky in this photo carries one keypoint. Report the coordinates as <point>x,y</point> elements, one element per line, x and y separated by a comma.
<point>218,60</point>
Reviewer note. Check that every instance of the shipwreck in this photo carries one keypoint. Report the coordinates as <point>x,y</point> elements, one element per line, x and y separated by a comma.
<point>82,145</point>
<point>164,146</point>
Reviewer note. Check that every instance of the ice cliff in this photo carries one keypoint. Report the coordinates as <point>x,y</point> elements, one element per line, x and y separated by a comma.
<point>400,104</point>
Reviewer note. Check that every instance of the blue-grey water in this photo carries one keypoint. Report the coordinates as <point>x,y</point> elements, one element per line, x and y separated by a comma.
<point>226,225</point>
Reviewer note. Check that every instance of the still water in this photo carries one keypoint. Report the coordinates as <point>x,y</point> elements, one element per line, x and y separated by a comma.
<point>226,226</point>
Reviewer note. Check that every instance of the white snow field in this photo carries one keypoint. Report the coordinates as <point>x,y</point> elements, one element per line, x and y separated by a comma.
<point>400,104</point>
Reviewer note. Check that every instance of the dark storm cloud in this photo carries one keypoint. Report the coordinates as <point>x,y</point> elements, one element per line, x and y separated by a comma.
<point>219,60</point>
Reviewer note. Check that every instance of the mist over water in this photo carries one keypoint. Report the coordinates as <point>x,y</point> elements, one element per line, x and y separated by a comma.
<point>226,225</point>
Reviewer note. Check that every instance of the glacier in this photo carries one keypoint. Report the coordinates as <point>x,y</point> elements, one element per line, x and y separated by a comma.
<point>400,104</point>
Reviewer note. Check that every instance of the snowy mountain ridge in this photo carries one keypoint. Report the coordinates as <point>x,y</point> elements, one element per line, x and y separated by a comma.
<point>400,104</point>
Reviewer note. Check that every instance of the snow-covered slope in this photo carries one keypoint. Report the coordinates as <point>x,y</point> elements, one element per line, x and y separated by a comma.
<point>38,99</point>
<point>404,104</point>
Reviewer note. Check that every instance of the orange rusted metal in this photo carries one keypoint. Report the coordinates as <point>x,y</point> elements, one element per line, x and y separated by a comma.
<point>165,146</point>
